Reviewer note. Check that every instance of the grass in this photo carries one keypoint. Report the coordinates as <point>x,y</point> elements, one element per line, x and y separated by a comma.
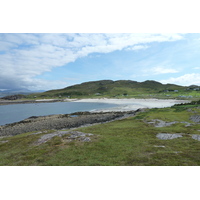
<point>120,89</point>
<point>128,142</point>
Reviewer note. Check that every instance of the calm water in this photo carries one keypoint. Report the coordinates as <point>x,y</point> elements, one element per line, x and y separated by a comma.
<point>18,112</point>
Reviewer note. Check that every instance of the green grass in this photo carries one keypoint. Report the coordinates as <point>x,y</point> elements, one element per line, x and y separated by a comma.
<point>120,89</point>
<point>128,142</point>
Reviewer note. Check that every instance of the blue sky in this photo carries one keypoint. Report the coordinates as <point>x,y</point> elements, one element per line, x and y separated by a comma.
<point>52,61</point>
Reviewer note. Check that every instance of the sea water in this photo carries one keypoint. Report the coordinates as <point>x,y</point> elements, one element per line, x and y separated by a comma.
<point>17,112</point>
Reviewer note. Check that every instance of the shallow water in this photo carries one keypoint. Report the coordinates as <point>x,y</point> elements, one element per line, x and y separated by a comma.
<point>17,112</point>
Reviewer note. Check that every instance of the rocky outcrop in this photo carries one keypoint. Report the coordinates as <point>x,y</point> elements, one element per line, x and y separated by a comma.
<point>196,137</point>
<point>59,122</point>
<point>168,136</point>
<point>160,123</point>
<point>70,136</point>
<point>195,118</point>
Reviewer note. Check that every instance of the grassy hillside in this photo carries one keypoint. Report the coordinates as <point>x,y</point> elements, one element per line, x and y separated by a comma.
<point>121,89</point>
<point>131,141</point>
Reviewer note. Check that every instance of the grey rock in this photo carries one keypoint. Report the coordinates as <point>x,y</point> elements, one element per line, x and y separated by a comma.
<point>168,136</point>
<point>46,137</point>
<point>36,133</point>
<point>160,123</point>
<point>159,146</point>
<point>84,139</point>
<point>187,124</point>
<point>73,135</point>
<point>89,134</point>
<point>76,134</point>
<point>195,118</point>
<point>61,133</point>
<point>196,137</point>
<point>4,141</point>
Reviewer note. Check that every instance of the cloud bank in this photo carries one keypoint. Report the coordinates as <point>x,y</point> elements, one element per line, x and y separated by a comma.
<point>23,57</point>
<point>186,80</point>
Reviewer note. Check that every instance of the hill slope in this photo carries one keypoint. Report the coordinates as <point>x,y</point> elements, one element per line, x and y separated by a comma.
<point>109,88</point>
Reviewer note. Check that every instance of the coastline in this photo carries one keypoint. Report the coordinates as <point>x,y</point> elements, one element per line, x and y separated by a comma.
<point>124,108</point>
<point>62,121</point>
<point>124,104</point>
<point>9,102</point>
<point>133,104</point>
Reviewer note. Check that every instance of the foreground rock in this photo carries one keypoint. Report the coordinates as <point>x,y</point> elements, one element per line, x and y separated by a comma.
<point>160,123</point>
<point>59,122</point>
<point>195,118</point>
<point>71,136</point>
<point>196,137</point>
<point>168,136</point>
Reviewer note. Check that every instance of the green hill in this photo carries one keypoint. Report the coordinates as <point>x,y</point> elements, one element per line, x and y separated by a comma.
<point>120,88</point>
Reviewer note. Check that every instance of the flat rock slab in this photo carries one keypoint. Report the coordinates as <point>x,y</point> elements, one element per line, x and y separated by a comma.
<point>196,137</point>
<point>160,123</point>
<point>168,136</point>
<point>195,118</point>
<point>73,135</point>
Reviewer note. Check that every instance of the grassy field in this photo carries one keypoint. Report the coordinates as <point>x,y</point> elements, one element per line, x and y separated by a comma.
<point>127,142</point>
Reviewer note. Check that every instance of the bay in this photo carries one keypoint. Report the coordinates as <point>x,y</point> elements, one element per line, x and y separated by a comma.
<point>17,112</point>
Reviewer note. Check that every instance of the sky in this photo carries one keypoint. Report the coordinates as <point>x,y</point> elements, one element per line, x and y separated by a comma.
<point>51,61</point>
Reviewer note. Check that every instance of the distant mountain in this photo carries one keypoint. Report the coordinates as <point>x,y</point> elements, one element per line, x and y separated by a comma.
<point>109,88</point>
<point>9,92</point>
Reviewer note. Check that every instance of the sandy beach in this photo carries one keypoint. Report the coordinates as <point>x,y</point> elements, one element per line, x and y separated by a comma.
<point>133,104</point>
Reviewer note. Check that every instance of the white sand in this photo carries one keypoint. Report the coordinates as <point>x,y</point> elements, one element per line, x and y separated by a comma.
<point>133,104</point>
<point>45,99</point>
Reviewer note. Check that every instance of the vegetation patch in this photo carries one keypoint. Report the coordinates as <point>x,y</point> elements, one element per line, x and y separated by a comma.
<point>122,89</point>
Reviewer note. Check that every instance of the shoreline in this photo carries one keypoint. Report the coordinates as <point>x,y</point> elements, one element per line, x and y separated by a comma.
<point>124,108</point>
<point>133,104</point>
<point>138,103</point>
<point>9,102</point>
<point>62,122</point>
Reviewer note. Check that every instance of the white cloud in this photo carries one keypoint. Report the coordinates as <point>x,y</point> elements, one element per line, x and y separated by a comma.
<point>29,55</point>
<point>163,70</point>
<point>186,80</point>
<point>159,70</point>
<point>137,47</point>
